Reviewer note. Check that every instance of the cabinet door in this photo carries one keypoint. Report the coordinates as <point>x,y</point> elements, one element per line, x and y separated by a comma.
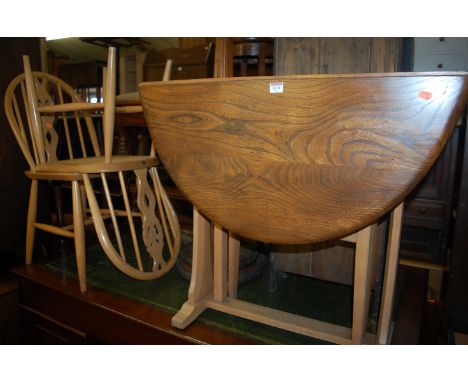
<point>430,204</point>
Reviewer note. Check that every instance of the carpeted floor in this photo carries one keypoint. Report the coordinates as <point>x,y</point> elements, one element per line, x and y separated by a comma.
<point>313,298</point>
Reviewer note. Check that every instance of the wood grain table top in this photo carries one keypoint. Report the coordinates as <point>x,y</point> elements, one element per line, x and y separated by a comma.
<point>297,159</point>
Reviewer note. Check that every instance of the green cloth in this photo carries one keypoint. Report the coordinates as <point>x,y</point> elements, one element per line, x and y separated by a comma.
<point>309,297</point>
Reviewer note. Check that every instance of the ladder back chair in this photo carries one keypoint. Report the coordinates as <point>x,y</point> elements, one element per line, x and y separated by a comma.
<point>34,103</point>
<point>298,159</point>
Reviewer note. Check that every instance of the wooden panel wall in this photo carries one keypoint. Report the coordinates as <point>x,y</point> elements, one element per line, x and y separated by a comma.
<point>300,55</point>
<point>331,261</point>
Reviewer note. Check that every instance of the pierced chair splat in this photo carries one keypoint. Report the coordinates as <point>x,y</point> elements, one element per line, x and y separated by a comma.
<point>58,138</point>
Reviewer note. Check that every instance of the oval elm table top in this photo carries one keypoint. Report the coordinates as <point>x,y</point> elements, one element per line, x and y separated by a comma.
<point>324,158</point>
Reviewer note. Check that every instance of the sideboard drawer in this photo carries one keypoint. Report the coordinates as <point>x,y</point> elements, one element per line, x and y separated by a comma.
<point>425,209</point>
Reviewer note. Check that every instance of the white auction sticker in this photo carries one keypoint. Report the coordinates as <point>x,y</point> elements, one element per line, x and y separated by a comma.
<point>276,87</point>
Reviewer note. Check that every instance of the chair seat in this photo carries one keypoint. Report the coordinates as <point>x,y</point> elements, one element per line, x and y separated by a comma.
<point>97,165</point>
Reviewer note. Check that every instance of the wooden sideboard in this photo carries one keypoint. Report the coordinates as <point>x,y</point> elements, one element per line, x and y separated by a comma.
<point>53,311</point>
<point>46,307</point>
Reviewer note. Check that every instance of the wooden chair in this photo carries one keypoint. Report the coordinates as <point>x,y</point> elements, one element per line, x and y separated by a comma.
<point>298,159</point>
<point>34,102</point>
<point>253,56</point>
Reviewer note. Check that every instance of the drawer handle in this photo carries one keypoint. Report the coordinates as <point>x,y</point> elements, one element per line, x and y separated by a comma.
<point>441,39</point>
<point>440,65</point>
<point>423,211</point>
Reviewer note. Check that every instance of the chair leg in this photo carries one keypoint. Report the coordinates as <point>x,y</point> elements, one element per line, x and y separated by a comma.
<point>30,228</point>
<point>78,225</point>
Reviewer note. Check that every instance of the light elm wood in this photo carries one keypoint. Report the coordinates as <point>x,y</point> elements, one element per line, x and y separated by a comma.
<point>33,114</point>
<point>202,262</point>
<point>54,176</point>
<point>332,152</point>
<point>66,107</point>
<point>30,227</point>
<point>131,224</point>
<point>205,284</point>
<point>233,264</point>
<point>79,234</point>
<point>362,267</point>
<point>287,321</point>
<point>324,159</point>
<point>391,268</point>
<point>54,229</point>
<point>33,102</point>
<point>115,224</point>
<point>151,229</point>
<point>220,263</point>
<point>168,215</point>
<point>95,165</point>
<point>201,280</point>
<point>107,245</point>
<point>109,104</point>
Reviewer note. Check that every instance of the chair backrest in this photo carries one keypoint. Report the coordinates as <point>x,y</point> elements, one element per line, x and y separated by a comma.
<point>298,159</point>
<point>109,103</point>
<point>44,144</point>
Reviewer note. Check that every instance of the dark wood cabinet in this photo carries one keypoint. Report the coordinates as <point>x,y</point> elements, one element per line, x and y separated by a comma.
<point>53,311</point>
<point>456,306</point>
<point>428,217</point>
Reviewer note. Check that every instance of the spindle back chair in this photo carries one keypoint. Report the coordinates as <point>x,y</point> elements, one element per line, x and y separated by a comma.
<point>58,138</point>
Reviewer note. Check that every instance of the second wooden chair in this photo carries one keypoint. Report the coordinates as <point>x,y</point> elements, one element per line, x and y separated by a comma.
<point>36,101</point>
